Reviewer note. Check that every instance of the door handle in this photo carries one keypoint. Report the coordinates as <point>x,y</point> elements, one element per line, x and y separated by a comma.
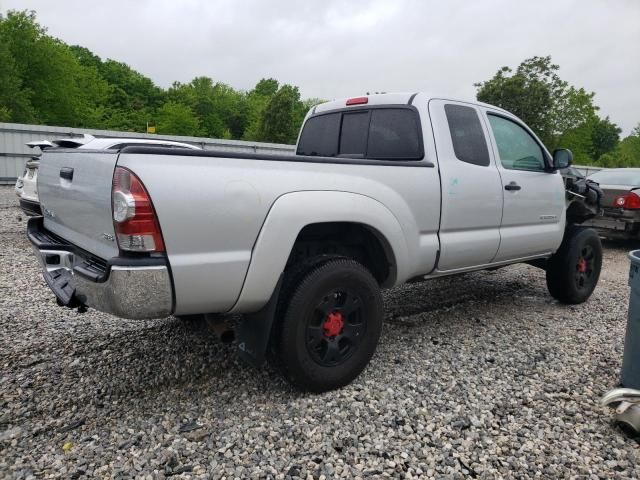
<point>512,186</point>
<point>66,173</point>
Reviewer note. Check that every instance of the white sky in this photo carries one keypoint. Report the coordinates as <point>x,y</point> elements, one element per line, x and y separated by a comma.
<point>333,48</point>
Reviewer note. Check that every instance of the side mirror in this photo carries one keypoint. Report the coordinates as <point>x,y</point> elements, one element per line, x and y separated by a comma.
<point>562,158</point>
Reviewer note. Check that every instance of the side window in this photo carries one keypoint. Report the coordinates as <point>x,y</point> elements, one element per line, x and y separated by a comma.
<point>353,136</point>
<point>517,148</point>
<point>394,134</point>
<point>469,143</point>
<point>320,136</point>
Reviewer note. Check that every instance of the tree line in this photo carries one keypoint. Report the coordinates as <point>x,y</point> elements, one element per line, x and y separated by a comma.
<point>43,80</point>
<point>560,114</point>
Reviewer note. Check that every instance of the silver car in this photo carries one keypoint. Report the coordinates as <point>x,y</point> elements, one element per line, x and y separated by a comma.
<point>620,215</point>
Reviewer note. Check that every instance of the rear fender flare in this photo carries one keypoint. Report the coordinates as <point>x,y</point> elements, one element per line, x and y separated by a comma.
<point>289,214</point>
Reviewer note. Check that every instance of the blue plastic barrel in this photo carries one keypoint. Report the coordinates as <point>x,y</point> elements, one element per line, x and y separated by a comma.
<point>631,361</point>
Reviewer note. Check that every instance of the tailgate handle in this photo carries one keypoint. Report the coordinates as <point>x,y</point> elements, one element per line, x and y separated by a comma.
<point>66,173</point>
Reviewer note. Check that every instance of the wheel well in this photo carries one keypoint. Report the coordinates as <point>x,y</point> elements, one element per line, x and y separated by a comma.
<point>349,239</point>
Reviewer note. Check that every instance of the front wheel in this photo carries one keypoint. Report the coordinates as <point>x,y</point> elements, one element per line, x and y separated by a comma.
<point>573,271</point>
<point>331,326</point>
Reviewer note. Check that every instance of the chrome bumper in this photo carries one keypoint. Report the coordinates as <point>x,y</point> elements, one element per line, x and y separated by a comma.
<point>127,291</point>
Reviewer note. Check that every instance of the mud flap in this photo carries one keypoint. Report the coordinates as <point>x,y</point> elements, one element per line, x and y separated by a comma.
<point>254,331</point>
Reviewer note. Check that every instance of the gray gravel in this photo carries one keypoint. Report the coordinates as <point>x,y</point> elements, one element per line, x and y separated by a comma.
<point>480,376</point>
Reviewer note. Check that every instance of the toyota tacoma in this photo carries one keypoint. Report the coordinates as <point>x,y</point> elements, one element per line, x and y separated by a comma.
<point>383,189</point>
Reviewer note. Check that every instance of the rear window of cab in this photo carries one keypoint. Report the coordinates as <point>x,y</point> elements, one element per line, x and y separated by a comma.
<point>382,133</point>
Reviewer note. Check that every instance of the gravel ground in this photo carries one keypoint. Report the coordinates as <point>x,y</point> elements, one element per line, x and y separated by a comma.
<point>481,376</point>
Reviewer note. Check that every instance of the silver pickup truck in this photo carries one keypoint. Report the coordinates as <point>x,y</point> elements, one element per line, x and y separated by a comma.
<point>383,189</point>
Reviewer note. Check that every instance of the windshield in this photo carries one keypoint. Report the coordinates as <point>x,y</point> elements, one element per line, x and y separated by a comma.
<point>621,176</point>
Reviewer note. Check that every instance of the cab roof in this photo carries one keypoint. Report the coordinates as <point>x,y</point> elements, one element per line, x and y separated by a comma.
<point>396,98</point>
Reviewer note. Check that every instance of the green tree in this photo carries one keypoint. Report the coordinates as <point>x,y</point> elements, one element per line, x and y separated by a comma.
<point>266,87</point>
<point>60,90</point>
<point>86,57</point>
<point>44,80</point>
<point>535,93</point>
<point>580,141</point>
<point>528,98</point>
<point>591,140</point>
<point>132,98</point>
<point>5,114</point>
<point>605,136</point>
<point>256,101</point>
<point>628,151</point>
<point>625,154</point>
<point>177,119</point>
<point>607,160</point>
<point>139,91</point>
<point>14,101</point>
<point>279,121</point>
<point>221,110</point>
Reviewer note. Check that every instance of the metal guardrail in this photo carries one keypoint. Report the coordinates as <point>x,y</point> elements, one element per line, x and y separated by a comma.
<point>587,170</point>
<point>14,153</point>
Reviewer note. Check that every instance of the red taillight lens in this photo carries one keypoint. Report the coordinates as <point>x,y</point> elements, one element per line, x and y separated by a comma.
<point>134,219</point>
<point>358,101</point>
<point>630,201</point>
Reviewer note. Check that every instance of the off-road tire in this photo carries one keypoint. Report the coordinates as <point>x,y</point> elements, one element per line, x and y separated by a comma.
<point>318,289</point>
<point>580,250</point>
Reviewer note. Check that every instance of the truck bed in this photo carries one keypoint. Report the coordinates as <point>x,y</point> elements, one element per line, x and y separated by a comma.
<point>212,206</point>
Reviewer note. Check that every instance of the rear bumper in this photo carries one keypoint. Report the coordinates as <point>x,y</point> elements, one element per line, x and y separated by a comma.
<point>618,226</point>
<point>125,287</point>
<point>30,208</point>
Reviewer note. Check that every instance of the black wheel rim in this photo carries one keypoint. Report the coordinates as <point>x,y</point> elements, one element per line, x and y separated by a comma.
<point>585,267</point>
<point>336,327</point>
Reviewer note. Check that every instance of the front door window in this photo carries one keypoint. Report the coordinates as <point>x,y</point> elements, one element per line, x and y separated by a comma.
<point>516,147</point>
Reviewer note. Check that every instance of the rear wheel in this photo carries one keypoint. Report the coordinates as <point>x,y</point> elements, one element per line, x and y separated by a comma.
<point>573,271</point>
<point>331,325</point>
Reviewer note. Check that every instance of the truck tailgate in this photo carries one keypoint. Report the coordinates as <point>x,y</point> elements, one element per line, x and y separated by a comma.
<point>74,187</point>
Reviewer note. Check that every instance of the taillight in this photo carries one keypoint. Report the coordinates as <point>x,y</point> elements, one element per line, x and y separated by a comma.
<point>134,219</point>
<point>358,101</point>
<point>630,201</point>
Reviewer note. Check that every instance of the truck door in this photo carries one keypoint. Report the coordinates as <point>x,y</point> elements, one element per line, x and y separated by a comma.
<point>471,208</point>
<point>534,202</point>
